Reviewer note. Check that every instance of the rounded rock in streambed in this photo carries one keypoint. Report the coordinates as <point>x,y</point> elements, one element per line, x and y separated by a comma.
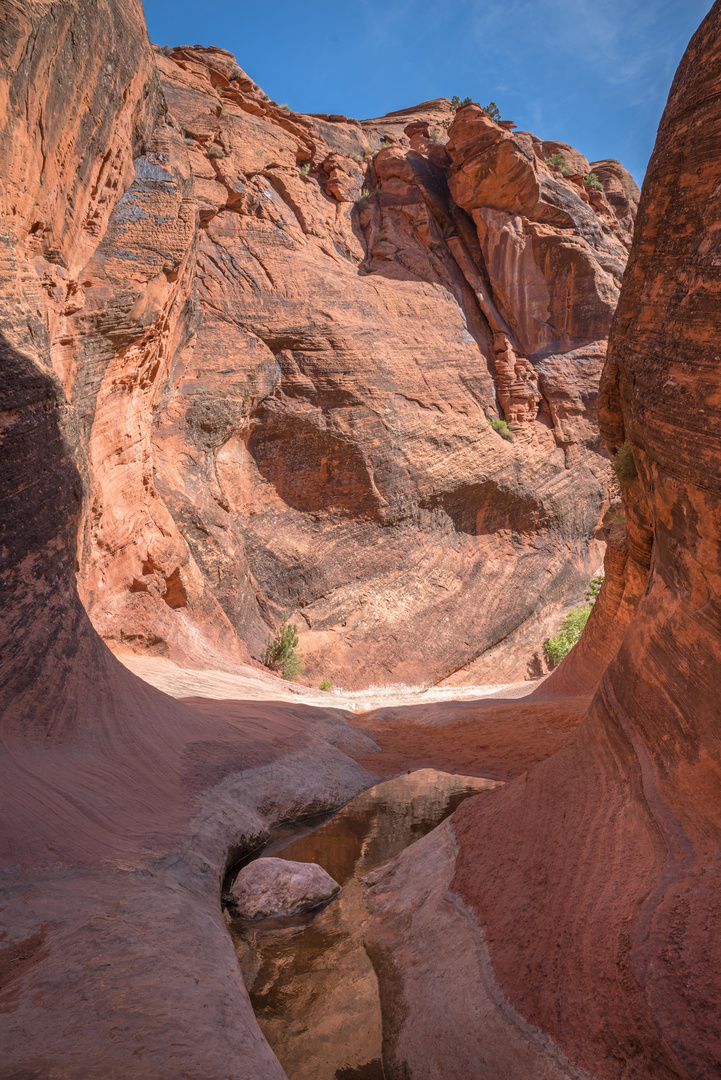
<point>279,887</point>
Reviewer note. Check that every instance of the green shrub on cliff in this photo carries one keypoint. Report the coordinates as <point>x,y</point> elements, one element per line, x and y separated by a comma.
<point>560,162</point>
<point>572,625</point>
<point>568,634</point>
<point>501,427</point>
<point>591,180</point>
<point>491,109</point>
<point>280,653</point>
<point>594,588</point>
<point>624,465</point>
<point>364,198</point>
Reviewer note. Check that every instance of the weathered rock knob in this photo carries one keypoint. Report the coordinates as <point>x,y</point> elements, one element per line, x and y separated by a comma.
<point>280,887</point>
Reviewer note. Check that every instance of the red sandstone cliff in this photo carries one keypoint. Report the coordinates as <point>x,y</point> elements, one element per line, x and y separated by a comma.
<point>278,398</point>
<point>118,805</point>
<point>566,926</point>
<point>579,907</point>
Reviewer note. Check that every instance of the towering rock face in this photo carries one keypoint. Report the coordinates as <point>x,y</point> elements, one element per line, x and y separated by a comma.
<point>595,877</point>
<point>119,805</point>
<point>280,339</point>
<point>574,912</point>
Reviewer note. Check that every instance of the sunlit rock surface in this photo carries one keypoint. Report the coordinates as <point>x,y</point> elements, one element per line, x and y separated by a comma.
<point>590,885</point>
<point>277,388</point>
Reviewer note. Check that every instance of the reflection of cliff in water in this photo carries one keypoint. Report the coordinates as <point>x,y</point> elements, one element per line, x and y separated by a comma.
<point>311,982</point>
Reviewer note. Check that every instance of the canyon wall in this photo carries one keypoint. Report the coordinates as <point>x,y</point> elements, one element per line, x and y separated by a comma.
<point>582,901</point>
<point>279,340</point>
<point>563,926</point>
<point>119,806</point>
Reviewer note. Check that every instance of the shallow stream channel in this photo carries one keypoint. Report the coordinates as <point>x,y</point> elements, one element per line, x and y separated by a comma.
<point>312,985</point>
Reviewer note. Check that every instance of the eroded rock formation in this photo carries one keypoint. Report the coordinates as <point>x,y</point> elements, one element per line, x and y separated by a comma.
<point>280,887</point>
<point>119,805</point>
<point>279,339</point>
<point>574,911</point>
<point>584,897</point>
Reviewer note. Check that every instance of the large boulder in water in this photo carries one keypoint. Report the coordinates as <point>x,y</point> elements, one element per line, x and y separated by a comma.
<point>281,887</point>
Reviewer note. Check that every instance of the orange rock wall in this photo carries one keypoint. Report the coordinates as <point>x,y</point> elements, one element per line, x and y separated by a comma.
<point>278,397</point>
<point>595,877</point>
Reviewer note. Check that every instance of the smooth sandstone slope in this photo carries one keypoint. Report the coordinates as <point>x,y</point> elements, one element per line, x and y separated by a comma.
<point>284,394</point>
<point>583,900</point>
<point>119,806</point>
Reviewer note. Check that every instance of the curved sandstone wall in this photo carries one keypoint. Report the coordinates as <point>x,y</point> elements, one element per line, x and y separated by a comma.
<point>277,397</point>
<point>593,880</point>
<point>119,805</point>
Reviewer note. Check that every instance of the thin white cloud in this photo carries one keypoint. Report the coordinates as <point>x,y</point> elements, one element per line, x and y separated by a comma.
<point>621,42</point>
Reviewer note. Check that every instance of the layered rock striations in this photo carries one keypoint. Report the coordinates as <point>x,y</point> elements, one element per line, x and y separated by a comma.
<point>562,926</point>
<point>119,805</point>
<point>280,339</point>
<point>583,899</point>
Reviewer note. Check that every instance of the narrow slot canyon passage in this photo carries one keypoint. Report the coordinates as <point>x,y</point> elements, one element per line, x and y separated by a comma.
<point>311,982</point>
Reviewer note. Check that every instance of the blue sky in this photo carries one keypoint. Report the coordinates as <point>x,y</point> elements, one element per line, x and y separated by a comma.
<point>593,73</point>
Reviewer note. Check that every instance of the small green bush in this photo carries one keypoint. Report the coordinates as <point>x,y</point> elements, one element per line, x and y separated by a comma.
<point>280,651</point>
<point>568,634</point>
<point>326,683</point>
<point>624,465</point>
<point>492,110</point>
<point>560,162</point>
<point>594,588</point>
<point>572,625</point>
<point>591,180</point>
<point>456,102</point>
<point>215,151</point>
<point>165,50</point>
<point>364,198</point>
<point>305,168</point>
<point>501,427</point>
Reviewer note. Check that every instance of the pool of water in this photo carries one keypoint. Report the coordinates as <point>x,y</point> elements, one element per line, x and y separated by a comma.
<point>311,983</point>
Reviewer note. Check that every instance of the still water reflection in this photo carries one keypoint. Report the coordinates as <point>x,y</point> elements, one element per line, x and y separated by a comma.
<point>312,985</point>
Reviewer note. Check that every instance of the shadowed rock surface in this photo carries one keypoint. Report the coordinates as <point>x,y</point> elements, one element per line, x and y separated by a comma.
<point>590,885</point>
